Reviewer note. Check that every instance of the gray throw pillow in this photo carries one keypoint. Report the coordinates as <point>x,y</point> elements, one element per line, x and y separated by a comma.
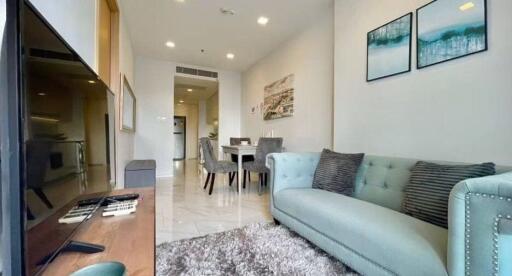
<point>336,172</point>
<point>427,194</point>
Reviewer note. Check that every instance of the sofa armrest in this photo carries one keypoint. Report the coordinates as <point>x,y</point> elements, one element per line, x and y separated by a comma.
<point>291,170</point>
<point>479,238</point>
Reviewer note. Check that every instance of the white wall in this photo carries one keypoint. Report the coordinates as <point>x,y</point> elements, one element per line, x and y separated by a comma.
<point>204,127</point>
<point>459,110</point>
<point>309,55</point>
<point>154,88</point>
<point>75,21</point>
<point>230,97</point>
<point>191,113</point>
<point>125,141</point>
<point>212,109</point>
<point>154,85</point>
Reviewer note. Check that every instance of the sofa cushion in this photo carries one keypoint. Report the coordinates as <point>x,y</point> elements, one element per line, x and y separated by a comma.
<point>427,194</point>
<point>397,242</point>
<point>336,172</point>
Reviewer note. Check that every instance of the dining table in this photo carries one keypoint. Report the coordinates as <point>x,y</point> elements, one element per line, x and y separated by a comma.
<point>240,150</point>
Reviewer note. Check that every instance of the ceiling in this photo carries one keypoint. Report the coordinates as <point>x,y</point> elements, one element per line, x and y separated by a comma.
<point>201,89</point>
<point>198,24</point>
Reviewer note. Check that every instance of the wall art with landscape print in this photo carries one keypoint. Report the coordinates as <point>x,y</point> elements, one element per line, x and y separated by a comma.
<point>449,29</point>
<point>389,49</point>
<point>278,99</point>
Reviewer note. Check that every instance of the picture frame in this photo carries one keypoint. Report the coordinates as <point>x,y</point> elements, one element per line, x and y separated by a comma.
<point>389,56</point>
<point>279,98</point>
<point>446,21</point>
<point>128,104</point>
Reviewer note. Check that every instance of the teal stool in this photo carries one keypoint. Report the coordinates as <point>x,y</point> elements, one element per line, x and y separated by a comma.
<point>104,269</point>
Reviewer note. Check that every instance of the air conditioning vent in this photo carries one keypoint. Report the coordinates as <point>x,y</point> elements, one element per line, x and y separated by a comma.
<point>196,72</point>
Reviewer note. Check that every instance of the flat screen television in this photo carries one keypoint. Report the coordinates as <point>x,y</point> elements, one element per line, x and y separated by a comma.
<point>68,138</point>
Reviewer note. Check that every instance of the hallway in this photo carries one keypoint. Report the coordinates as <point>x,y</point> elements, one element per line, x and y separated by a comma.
<point>184,210</point>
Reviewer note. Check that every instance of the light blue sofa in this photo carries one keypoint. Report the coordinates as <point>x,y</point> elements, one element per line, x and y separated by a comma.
<point>368,233</point>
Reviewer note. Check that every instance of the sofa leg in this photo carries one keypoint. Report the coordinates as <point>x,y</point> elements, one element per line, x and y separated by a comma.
<point>276,222</point>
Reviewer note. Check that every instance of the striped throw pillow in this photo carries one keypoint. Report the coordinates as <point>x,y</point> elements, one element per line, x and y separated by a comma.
<point>428,191</point>
<point>336,172</point>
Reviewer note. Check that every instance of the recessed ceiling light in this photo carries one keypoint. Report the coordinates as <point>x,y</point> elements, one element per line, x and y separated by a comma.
<point>180,1</point>
<point>263,20</point>
<point>190,90</point>
<point>170,44</point>
<point>182,101</point>
<point>91,81</point>
<point>230,56</point>
<point>41,94</point>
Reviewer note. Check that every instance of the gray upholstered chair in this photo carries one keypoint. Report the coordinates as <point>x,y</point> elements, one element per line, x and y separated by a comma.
<point>238,141</point>
<point>214,166</point>
<point>265,147</point>
<point>233,141</point>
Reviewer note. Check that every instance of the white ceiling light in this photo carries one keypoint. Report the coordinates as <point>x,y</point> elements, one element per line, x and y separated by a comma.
<point>180,1</point>
<point>263,20</point>
<point>41,94</point>
<point>170,44</point>
<point>230,56</point>
<point>182,101</point>
<point>91,81</point>
<point>190,90</point>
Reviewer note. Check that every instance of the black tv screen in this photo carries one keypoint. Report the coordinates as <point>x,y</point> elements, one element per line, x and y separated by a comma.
<point>67,138</point>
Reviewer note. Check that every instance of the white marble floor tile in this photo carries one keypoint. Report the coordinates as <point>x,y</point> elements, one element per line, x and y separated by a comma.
<point>185,210</point>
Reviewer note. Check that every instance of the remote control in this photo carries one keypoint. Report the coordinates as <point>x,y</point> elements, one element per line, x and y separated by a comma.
<point>70,220</point>
<point>117,198</point>
<point>123,203</point>
<point>78,214</point>
<point>119,211</point>
<point>108,200</point>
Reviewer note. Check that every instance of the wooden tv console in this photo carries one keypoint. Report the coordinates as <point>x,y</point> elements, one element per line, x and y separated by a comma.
<point>127,239</point>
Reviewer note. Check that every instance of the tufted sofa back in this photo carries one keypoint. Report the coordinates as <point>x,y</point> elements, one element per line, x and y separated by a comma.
<point>382,180</point>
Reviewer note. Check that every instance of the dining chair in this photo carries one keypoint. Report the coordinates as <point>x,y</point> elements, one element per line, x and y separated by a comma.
<point>233,141</point>
<point>214,166</point>
<point>265,147</point>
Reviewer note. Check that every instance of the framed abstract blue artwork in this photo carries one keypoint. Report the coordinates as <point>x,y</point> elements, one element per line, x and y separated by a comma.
<point>389,49</point>
<point>450,29</point>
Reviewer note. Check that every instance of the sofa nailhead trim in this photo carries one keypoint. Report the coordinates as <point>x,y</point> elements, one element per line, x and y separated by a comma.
<point>468,226</point>
<point>492,196</point>
<point>467,231</point>
<point>496,242</point>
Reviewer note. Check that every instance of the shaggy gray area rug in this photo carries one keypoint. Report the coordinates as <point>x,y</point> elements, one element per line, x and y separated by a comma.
<point>258,249</point>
